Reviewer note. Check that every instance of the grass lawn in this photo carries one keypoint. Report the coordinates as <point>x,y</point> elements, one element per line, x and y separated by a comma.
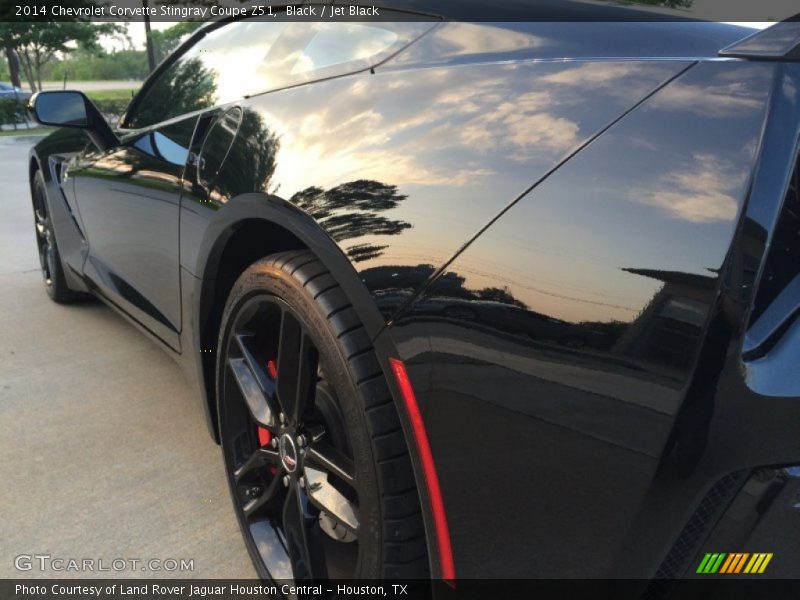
<point>106,95</point>
<point>22,131</point>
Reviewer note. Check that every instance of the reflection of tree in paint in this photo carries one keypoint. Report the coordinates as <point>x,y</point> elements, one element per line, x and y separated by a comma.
<point>667,3</point>
<point>362,252</point>
<point>496,294</point>
<point>496,308</point>
<point>404,280</point>
<point>184,87</point>
<point>350,210</point>
<point>250,162</point>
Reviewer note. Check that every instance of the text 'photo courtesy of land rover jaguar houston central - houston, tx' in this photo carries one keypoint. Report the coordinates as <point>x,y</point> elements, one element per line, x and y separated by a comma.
<point>462,299</point>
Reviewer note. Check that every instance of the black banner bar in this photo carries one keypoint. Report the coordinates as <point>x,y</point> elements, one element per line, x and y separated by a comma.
<point>452,10</point>
<point>713,587</point>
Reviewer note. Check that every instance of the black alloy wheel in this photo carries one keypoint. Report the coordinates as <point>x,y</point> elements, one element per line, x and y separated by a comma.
<point>49,258</point>
<point>316,460</point>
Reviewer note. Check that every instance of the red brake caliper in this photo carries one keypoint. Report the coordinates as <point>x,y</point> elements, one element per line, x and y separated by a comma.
<point>263,435</point>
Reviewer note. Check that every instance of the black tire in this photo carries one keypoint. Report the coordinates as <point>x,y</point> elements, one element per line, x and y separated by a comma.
<point>350,390</point>
<point>49,258</point>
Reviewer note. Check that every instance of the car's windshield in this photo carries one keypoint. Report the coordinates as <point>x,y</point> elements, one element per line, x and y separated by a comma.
<point>244,58</point>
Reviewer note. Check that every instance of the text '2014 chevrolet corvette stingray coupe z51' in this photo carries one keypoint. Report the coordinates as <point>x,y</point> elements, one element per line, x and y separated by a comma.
<point>461,300</point>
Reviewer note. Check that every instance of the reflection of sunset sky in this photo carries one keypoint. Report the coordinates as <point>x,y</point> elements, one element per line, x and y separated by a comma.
<point>235,64</point>
<point>648,194</point>
<point>252,57</point>
<point>483,133</point>
<point>334,44</point>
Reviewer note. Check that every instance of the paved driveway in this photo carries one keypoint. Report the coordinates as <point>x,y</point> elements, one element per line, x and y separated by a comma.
<point>103,449</point>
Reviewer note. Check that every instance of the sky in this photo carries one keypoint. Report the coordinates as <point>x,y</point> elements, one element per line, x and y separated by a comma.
<point>135,32</point>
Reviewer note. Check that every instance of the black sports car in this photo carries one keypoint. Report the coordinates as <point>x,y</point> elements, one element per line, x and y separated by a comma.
<point>462,299</point>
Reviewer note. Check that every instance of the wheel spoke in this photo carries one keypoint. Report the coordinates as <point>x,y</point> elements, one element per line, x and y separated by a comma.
<point>327,498</point>
<point>41,225</point>
<point>251,391</point>
<point>301,531</point>
<point>252,508</point>
<point>265,382</point>
<point>50,258</point>
<point>329,459</point>
<point>297,369</point>
<point>306,378</point>
<point>262,457</point>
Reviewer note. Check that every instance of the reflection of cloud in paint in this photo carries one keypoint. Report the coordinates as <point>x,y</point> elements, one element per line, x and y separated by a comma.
<point>521,125</point>
<point>339,43</point>
<point>714,101</point>
<point>430,132</point>
<point>593,73</point>
<point>406,170</point>
<point>602,77</point>
<point>701,193</point>
<point>466,38</point>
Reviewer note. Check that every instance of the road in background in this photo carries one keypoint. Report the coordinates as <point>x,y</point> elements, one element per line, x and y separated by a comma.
<point>104,452</point>
<point>91,86</point>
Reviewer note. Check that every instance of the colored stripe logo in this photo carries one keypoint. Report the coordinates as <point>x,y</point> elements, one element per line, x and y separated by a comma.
<point>734,563</point>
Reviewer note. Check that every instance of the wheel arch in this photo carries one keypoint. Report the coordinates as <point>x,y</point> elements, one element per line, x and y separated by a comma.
<point>248,228</point>
<point>33,166</point>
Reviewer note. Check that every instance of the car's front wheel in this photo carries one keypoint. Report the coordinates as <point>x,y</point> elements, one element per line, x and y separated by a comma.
<point>49,259</point>
<point>315,456</point>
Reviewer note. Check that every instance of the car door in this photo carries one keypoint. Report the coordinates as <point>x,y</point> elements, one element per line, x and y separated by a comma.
<point>129,198</point>
<point>129,195</point>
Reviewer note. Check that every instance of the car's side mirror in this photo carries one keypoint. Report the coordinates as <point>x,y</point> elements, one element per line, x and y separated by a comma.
<point>62,109</point>
<point>72,109</point>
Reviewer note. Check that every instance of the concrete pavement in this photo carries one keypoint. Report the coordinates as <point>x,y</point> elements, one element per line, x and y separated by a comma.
<point>103,450</point>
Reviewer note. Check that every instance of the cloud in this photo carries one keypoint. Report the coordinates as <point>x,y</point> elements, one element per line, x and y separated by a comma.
<point>595,73</point>
<point>712,101</point>
<point>521,127</point>
<point>700,193</point>
<point>435,122</point>
<point>466,38</point>
<point>619,80</point>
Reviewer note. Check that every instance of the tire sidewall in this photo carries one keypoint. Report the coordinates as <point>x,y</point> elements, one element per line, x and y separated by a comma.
<point>57,289</point>
<point>265,278</point>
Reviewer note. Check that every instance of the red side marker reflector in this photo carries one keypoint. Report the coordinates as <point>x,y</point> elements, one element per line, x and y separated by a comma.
<point>272,369</point>
<point>429,470</point>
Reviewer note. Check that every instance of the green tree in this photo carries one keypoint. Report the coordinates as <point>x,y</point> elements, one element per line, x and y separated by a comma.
<point>13,65</point>
<point>167,40</point>
<point>83,65</point>
<point>9,43</point>
<point>37,43</point>
<point>158,44</point>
